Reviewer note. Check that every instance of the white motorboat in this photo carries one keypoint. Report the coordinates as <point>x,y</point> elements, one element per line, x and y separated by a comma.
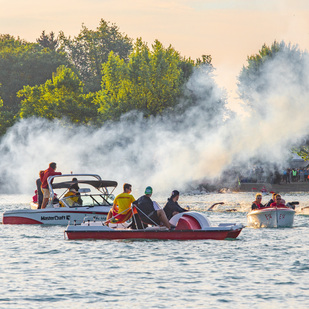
<point>271,217</point>
<point>94,202</point>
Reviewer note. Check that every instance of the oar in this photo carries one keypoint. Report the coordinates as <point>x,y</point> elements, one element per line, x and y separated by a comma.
<point>212,206</point>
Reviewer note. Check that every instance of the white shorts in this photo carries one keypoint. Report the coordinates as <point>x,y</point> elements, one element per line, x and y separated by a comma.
<point>45,193</point>
<point>156,205</point>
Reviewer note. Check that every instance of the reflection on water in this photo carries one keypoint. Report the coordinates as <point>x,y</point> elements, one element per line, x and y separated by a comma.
<point>263,268</point>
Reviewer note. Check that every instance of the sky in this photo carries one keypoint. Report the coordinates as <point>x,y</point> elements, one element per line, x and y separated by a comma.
<point>228,30</point>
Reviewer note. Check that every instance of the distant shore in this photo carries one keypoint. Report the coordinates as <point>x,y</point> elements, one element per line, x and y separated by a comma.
<point>283,187</point>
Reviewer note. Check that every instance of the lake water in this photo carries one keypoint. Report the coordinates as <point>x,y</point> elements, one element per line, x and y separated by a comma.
<point>263,268</point>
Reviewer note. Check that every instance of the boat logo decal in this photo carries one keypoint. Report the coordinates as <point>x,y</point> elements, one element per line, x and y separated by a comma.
<point>55,218</point>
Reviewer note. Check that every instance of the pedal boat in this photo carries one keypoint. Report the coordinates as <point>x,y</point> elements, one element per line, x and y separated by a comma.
<point>95,202</point>
<point>271,217</point>
<point>189,226</point>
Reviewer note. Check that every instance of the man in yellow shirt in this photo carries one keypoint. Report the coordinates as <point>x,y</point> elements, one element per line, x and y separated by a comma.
<point>121,210</point>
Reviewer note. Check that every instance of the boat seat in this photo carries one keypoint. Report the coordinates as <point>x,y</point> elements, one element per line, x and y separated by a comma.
<point>188,223</point>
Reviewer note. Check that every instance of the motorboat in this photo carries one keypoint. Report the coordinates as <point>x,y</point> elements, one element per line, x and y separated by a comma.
<point>95,199</point>
<point>189,225</point>
<point>271,217</point>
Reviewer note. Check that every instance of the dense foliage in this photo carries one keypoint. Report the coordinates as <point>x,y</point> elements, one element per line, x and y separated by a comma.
<point>95,77</point>
<point>23,63</point>
<point>60,97</point>
<point>90,49</point>
<point>149,82</point>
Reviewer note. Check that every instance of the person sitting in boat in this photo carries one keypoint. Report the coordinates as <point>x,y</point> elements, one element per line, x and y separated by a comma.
<point>121,209</point>
<point>273,200</point>
<point>257,203</point>
<point>150,212</point>
<point>75,184</point>
<point>71,198</point>
<point>278,202</point>
<point>172,207</point>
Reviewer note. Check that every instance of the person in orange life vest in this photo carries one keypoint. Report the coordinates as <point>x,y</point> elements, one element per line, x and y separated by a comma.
<point>121,210</point>
<point>257,203</point>
<point>51,171</point>
<point>278,203</point>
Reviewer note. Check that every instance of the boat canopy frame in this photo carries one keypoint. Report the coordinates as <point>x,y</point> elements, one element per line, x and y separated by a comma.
<point>101,185</point>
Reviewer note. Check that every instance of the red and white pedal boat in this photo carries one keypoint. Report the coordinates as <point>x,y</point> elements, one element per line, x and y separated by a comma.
<point>271,217</point>
<point>95,201</point>
<point>189,226</point>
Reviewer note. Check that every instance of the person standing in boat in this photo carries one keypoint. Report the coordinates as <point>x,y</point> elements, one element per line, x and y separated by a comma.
<point>172,207</point>
<point>39,190</point>
<point>150,212</point>
<point>121,210</point>
<point>257,204</point>
<point>51,171</point>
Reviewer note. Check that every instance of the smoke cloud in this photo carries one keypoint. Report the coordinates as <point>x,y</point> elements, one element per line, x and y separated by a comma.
<point>173,151</point>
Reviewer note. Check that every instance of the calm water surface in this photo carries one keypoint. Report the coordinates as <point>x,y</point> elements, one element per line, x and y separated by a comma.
<point>263,268</point>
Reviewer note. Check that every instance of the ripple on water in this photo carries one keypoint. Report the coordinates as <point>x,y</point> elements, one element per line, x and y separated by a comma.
<point>264,268</point>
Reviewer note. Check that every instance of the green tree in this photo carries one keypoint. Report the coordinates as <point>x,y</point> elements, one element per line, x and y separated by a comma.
<point>23,63</point>
<point>60,97</point>
<point>48,41</point>
<point>90,49</point>
<point>150,81</point>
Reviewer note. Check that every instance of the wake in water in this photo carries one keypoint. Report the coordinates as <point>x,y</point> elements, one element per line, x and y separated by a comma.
<point>171,151</point>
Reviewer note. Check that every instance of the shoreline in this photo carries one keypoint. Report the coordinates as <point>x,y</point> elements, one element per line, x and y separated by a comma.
<point>283,187</point>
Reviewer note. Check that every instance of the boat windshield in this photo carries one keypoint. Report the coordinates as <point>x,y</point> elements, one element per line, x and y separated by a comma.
<point>88,200</point>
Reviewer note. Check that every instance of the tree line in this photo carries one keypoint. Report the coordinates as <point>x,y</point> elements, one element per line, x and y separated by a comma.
<point>94,77</point>
<point>101,74</point>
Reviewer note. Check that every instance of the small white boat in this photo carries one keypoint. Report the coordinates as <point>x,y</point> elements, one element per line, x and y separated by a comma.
<point>271,217</point>
<point>94,204</point>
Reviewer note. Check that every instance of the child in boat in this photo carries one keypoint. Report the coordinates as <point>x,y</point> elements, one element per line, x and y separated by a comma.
<point>257,203</point>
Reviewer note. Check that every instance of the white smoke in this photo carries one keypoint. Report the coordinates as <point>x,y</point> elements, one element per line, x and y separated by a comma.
<point>166,152</point>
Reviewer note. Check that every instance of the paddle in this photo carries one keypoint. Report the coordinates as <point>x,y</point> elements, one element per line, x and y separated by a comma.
<point>212,206</point>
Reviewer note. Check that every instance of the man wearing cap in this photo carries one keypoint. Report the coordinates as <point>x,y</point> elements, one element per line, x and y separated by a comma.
<point>172,207</point>
<point>149,211</point>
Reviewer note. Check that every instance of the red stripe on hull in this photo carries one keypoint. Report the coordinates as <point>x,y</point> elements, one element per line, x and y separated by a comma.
<point>19,220</point>
<point>160,235</point>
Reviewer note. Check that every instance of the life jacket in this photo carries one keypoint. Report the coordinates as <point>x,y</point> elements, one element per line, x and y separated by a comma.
<point>70,198</point>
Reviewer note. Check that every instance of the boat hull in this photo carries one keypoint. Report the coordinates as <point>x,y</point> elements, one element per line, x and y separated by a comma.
<point>80,232</point>
<point>55,216</point>
<point>271,217</point>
